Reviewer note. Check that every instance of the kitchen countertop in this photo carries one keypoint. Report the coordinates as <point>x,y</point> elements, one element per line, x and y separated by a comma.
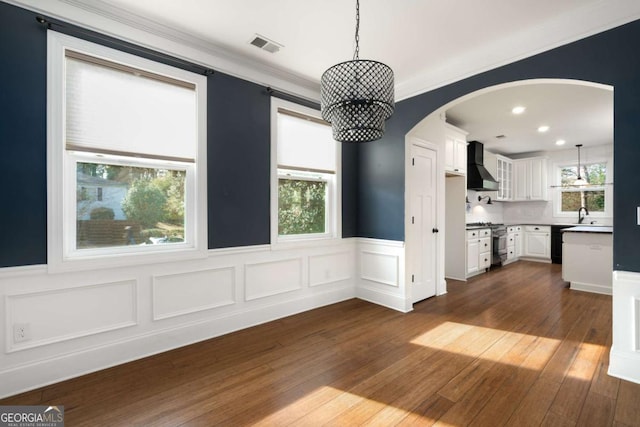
<point>589,229</point>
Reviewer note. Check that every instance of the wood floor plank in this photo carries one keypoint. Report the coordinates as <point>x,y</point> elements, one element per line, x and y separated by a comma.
<point>628,404</point>
<point>598,410</point>
<point>512,347</point>
<point>532,410</point>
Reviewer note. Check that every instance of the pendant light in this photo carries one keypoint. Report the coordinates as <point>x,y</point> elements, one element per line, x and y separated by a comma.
<point>580,181</point>
<point>357,96</point>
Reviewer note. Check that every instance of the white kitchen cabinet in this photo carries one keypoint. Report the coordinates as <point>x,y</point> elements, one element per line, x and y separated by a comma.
<point>504,175</point>
<point>587,259</point>
<point>484,255</point>
<point>537,242</point>
<point>518,243</point>
<point>473,247</point>
<point>478,251</point>
<point>530,179</point>
<point>514,243</point>
<point>455,150</point>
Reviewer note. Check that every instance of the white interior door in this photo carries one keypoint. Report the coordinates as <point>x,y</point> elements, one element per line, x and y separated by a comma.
<point>423,230</point>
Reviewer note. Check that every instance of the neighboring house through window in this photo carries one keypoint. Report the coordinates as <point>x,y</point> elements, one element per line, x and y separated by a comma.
<point>127,151</point>
<point>305,175</point>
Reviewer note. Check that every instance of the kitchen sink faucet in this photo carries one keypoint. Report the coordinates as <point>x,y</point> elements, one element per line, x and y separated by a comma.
<point>581,217</point>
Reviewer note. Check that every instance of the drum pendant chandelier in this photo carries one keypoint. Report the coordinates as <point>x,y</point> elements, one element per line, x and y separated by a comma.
<point>357,96</point>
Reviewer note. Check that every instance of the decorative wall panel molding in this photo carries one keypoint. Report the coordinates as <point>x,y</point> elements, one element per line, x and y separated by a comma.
<point>636,323</point>
<point>625,350</point>
<point>268,278</point>
<point>330,268</point>
<point>190,292</point>
<point>380,268</point>
<point>63,314</point>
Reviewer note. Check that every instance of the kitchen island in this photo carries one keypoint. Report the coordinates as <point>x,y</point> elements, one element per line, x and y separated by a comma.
<point>587,258</point>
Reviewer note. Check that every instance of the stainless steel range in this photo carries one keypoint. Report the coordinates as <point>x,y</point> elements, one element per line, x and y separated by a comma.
<point>499,237</point>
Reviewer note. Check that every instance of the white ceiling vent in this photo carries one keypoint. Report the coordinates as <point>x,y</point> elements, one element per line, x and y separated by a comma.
<point>265,44</point>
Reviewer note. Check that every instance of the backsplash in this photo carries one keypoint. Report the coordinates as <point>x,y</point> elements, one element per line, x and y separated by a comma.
<point>542,213</point>
<point>481,211</point>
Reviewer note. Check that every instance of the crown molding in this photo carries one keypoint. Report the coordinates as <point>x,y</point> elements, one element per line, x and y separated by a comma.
<point>562,29</point>
<point>98,16</point>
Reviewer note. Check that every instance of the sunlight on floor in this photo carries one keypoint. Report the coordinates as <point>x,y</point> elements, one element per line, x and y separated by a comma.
<point>549,356</point>
<point>497,345</point>
<point>309,410</point>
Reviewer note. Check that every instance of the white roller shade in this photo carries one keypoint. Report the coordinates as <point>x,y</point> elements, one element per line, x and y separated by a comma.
<point>305,144</point>
<point>121,110</point>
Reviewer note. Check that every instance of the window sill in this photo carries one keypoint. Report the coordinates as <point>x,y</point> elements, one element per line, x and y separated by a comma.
<point>62,265</point>
<point>306,243</point>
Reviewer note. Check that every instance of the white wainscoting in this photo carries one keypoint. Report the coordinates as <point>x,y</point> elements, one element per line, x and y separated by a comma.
<point>182,293</point>
<point>326,269</point>
<point>64,314</point>
<point>625,350</point>
<point>381,271</point>
<point>85,321</point>
<point>259,278</point>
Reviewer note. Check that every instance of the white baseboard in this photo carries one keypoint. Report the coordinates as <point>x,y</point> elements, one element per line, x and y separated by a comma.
<point>543,260</point>
<point>378,297</point>
<point>625,366</point>
<point>590,287</point>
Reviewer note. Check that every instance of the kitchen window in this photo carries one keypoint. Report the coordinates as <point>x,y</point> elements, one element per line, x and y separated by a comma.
<point>126,151</point>
<point>594,196</point>
<point>305,175</point>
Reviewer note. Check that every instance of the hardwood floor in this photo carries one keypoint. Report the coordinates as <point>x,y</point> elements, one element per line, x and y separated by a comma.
<point>511,347</point>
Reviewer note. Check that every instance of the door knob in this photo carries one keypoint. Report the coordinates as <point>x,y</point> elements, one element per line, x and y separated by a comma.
<point>434,230</point>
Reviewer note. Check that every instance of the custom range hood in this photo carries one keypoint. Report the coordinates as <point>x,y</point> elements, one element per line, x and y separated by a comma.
<point>478,177</point>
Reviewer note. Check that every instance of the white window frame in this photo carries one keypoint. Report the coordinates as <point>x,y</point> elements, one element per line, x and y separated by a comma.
<point>333,212</point>
<point>62,178</point>
<point>608,193</point>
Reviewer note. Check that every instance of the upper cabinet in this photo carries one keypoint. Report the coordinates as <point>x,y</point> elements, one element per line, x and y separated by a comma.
<point>455,152</point>
<point>504,175</point>
<point>530,179</point>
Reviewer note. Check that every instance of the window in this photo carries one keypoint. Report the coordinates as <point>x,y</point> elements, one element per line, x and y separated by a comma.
<point>305,178</point>
<point>127,150</point>
<point>594,196</point>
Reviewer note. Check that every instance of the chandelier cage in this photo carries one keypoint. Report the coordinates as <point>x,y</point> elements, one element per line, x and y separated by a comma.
<point>357,96</point>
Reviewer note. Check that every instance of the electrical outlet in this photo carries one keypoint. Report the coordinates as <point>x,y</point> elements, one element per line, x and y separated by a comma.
<point>21,332</point>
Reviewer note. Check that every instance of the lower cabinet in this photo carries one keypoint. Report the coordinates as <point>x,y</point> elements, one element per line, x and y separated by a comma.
<point>514,243</point>
<point>473,252</point>
<point>537,242</point>
<point>478,251</point>
<point>485,255</point>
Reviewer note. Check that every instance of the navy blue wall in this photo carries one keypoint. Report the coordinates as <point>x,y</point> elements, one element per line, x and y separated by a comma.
<point>610,58</point>
<point>23,143</point>
<point>238,141</point>
<point>238,121</point>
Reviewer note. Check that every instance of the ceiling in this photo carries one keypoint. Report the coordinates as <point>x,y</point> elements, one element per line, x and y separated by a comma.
<point>576,113</point>
<point>428,43</point>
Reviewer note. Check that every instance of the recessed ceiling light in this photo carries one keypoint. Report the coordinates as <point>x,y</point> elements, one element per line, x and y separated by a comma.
<point>543,128</point>
<point>518,109</point>
<point>560,142</point>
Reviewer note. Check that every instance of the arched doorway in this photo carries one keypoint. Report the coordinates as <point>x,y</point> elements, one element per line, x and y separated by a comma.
<point>430,249</point>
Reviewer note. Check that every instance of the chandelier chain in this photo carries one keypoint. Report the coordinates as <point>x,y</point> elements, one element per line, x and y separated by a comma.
<point>356,52</point>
